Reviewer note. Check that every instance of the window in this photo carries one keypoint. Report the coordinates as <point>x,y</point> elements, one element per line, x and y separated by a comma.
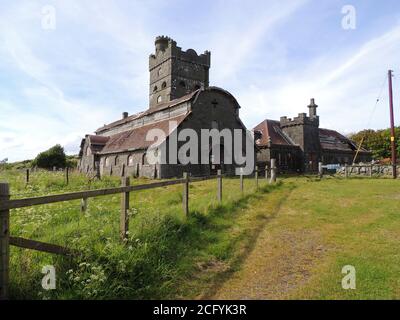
<point>144,159</point>
<point>182,84</point>
<point>155,89</point>
<point>159,71</point>
<point>107,161</point>
<point>116,162</point>
<point>164,85</point>
<point>88,151</point>
<point>130,161</point>
<point>159,99</point>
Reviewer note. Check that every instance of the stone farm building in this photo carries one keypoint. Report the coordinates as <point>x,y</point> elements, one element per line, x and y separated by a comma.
<point>299,144</point>
<point>179,97</point>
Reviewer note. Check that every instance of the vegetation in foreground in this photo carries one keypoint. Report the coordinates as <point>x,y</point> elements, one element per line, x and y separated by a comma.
<point>290,240</point>
<point>167,255</point>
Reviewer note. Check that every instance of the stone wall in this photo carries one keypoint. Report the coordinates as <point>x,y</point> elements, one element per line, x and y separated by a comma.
<point>365,170</point>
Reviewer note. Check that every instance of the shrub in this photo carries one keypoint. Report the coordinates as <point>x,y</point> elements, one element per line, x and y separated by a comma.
<point>54,157</point>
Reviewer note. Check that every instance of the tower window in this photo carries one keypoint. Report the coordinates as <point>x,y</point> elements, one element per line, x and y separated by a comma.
<point>164,85</point>
<point>155,89</point>
<point>159,99</point>
<point>159,71</point>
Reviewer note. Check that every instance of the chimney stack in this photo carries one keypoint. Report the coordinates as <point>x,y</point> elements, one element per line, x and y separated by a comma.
<point>124,115</point>
<point>312,108</point>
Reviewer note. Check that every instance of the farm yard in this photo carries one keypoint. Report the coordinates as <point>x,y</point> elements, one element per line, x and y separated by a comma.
<point>283,241</point>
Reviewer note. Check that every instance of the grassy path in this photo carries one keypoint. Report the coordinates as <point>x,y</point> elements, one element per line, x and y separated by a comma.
<point>319,228</point>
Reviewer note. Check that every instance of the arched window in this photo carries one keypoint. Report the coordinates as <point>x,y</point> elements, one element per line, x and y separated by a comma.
<point>155,89</point>
<point>164,85</point>
<point>159,99</point>
<point>116,161</point>
<point>107,161</point>
<point>144,159</point>
<point>130,161</point>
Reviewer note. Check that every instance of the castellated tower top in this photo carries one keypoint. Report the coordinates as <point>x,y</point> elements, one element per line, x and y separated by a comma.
<point>175,73</point>
<point>302,119</point>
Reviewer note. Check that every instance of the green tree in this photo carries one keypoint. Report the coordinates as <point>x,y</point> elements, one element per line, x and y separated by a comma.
<point>54,157</point>
<point>377,141</point>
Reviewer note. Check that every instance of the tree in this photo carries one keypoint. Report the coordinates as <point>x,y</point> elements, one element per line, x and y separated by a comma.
<point>54,157</point>
<point>378,142</point>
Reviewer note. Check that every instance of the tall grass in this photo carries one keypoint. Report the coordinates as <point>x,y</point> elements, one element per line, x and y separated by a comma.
<point>165,252</point>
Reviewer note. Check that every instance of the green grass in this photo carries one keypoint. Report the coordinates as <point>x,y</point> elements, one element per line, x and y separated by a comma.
<point>356,222</point>
<point>167,255</point>
<point>328,224</point>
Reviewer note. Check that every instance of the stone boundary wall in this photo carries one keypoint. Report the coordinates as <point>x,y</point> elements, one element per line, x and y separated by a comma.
<point>368,170</point>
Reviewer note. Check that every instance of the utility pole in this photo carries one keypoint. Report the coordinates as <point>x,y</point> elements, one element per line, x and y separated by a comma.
<point>392,132</point>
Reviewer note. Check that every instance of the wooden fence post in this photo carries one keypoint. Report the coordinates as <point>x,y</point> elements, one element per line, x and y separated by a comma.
<point>266,172</point>
<point>84,203</point>
<point>320,170</point>
<point>241,181</point>
<point>273,171</point>
<point>27,176</point>
<point>4,243</point>
<point>67,175</point>
<point>219,192</point>
<point>124,220</point>
<point>370,170</point>
<point>185,198</point>
<point>256,177</point>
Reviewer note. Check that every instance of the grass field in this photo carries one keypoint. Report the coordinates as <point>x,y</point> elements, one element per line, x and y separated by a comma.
<point>289,240</point>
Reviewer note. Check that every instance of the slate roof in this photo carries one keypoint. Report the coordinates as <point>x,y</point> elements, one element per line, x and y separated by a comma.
<point>139,115</point>
<point>270,129</point>
<point>329,139</point>
<point>135,139</point>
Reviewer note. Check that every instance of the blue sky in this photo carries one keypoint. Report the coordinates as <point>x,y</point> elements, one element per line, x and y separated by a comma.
<point>58,84</point>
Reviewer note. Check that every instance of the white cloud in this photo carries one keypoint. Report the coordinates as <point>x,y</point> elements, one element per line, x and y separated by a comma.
<point>345,89</point>
<point>64,83</point>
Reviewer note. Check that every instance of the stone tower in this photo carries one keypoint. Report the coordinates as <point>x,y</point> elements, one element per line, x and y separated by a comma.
<point>304,131</point>
<point>175,73</point>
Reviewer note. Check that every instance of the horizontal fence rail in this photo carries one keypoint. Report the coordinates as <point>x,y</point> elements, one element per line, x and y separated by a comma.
<point>41,246</point>
<point>28,202</point>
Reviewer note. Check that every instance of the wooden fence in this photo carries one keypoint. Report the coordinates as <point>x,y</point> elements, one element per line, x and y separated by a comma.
<point>66,172</point>
<point>6,204</point>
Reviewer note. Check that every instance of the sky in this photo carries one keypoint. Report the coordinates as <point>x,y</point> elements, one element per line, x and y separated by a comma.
<point>68,67</point>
